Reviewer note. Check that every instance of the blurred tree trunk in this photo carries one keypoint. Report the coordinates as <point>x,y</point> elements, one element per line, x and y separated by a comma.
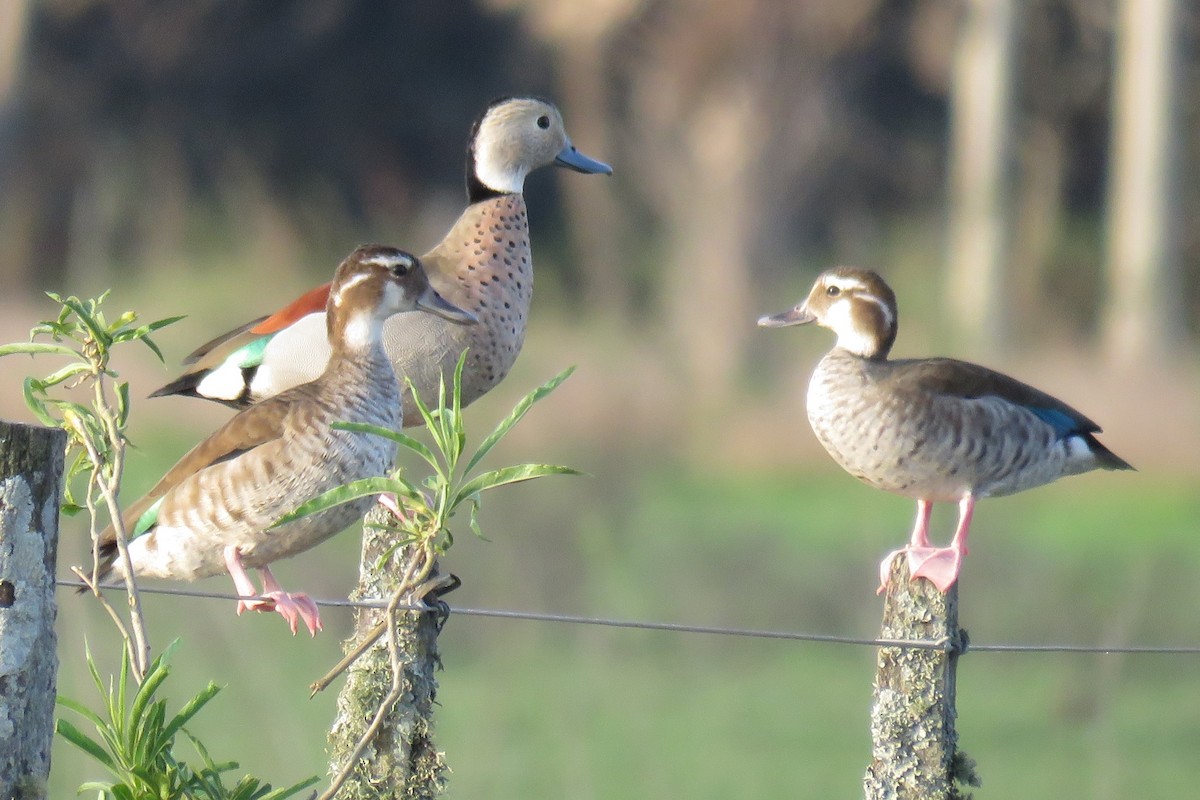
<point>1144,317</point>
<point>580,34</point>
<point>16,218</point>
<point>14,27</point>
<point>980,131</point>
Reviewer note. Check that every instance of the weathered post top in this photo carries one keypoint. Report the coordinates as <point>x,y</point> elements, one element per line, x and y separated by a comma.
<point>31,473</point>
<point>914,754</point>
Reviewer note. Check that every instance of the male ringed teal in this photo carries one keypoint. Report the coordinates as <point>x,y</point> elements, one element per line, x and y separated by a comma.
<point>934,429</point>
<point>483,264</point>
<point>213,511</point>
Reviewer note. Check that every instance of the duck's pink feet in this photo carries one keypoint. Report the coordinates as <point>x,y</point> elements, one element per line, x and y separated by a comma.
<point>937,564</point>
<point>292,607</point>
<point>295,608</point>
<point>940,566</point>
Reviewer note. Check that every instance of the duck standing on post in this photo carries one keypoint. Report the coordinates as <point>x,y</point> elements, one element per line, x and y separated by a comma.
<point>213,511</point>
<point>934,429</point>
<point>483,265</point>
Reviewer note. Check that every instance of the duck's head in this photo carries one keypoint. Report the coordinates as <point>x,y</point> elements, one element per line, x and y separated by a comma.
<point>513,137</point>
<point>375,282</point>
<point>854,303</point>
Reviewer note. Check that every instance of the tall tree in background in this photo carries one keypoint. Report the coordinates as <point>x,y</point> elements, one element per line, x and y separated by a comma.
<point>580,35</point>
<point>981,127</point>
<point>1144,317</point>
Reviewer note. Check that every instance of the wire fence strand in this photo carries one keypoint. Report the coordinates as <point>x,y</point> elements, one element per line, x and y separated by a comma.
<point>676,627</point>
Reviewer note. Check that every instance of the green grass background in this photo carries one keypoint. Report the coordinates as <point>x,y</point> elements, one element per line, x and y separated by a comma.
<point>547,710</point>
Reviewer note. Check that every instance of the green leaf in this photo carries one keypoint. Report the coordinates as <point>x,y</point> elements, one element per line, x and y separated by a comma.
<point>64,374</point>
<point>509,475</point>
<point>99,334</point>
<point>191,708</point>
<point>122,403</point>
<point>37,404</point>
<point>518,412</point>
<point>422,409</point>
<point>34,348</point>
<point>164,322</point>
<point>79,708</point>
<point>85,743</point>
<point>146,340</point>
<point>347,492</point>
<point>123,320</point>
<point>295,788</point>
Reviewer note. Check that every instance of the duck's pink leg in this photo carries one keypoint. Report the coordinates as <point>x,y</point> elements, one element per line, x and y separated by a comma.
<point>292,607</point>
<point>918,549</point>
<point>245,587</point>
<point>941,566</point>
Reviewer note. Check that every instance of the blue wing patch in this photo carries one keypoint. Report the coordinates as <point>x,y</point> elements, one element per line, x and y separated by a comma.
<point>1062,423</point>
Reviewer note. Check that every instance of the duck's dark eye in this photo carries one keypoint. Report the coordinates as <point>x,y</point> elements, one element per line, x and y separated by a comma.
<point>400,268</point>
<point>543,122</point>
<point>833,291</point>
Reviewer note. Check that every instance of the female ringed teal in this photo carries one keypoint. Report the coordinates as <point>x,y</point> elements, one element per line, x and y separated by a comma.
<point>934,429</point>
<point>213,512</point>
<point>483,264</point>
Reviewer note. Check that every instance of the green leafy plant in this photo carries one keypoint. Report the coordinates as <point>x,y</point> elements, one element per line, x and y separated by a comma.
<point>136,742</point>
<point>83,334</point>
<point>427,509</point>
<point>96,432</point>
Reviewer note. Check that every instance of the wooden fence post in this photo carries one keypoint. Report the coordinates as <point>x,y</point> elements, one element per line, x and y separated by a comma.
<point>914,754</point>
<point>400,759</point>
<point>31,474</point>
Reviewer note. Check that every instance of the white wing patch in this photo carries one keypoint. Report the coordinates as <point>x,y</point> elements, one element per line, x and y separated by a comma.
<point>223,383</point>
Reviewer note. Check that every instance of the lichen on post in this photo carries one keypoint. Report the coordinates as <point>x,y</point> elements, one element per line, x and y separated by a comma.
<point>915,753</point>
<point>400,759</point>
<point>31,474</point>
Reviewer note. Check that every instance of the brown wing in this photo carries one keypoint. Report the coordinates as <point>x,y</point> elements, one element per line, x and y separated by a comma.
<point>256,426</point>
<point>953,378</point>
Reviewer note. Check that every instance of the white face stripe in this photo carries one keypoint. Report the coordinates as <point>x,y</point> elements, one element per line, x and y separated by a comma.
<point>851,284</point>
<point>389,260</point>
<point>840,320</point>
<point>888,318</point>
<point>347,284</point>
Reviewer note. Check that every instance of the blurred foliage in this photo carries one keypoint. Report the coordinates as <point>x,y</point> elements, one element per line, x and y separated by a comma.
<point>135,131</point>
<point>83,334</point>
<point>135,742</point>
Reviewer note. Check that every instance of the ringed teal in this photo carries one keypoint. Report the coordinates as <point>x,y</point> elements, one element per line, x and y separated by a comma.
<point>213,511</point>
<point>483,264</point>
<point>934,429</point>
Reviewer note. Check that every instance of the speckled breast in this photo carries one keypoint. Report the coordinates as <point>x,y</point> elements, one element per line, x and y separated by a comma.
<point>485,266</point>
<point>922,446</point>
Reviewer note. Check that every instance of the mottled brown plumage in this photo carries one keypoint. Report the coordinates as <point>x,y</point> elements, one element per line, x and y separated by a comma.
<point>213,511</point>
<point>935,430</point>
<point>484,264</point>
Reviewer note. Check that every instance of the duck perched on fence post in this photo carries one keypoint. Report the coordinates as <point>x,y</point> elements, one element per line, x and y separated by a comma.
<point>484,265</point>
<point>934,429</point>
<point>213,512</point>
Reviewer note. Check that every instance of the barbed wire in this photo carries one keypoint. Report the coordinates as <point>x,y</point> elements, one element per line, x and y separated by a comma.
<point>676,627</point>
